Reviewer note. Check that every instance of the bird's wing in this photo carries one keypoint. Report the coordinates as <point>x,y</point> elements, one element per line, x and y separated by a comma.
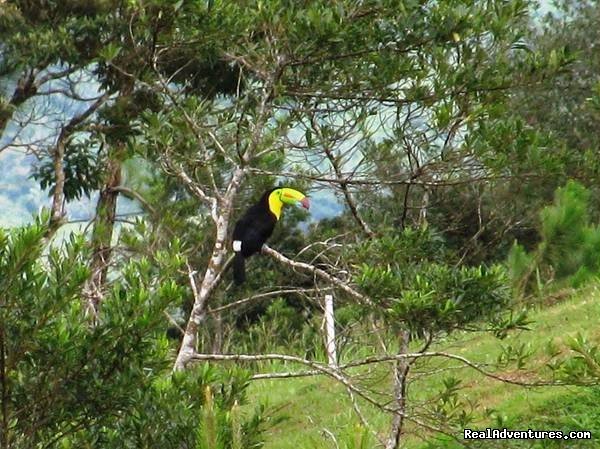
<point>253,229</point>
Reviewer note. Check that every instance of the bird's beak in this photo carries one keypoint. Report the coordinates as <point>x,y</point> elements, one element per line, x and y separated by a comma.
<point>305,203</point>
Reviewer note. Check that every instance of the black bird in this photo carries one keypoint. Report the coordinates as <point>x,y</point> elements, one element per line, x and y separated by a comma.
<point>257,224</point>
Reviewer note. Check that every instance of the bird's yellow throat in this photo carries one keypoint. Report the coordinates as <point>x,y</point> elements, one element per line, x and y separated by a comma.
<point>275,204</point>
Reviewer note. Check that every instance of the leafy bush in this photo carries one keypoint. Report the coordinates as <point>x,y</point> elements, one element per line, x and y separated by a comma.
<point>417,287</point>
<point>69,383</point>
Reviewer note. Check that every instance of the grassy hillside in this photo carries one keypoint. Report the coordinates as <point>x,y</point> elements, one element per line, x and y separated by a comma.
<point>317,410</point>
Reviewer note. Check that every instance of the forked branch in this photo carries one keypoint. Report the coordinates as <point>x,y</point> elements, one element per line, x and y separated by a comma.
<point>308,268</point>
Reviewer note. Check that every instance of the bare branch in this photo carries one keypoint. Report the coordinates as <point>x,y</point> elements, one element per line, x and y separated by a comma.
<point>134,195</point>
<point>323,369</point>
<point>337,374</point>
<point>173,322</point>
<point>260,296</point>
<point>333,160</point>
<point>317,272</point>
<point>403,181</point>
<point>29,86</point>
<point>193,187</point>
<point>286,375</point>
<point>192,278</point>
<point>361,416</point>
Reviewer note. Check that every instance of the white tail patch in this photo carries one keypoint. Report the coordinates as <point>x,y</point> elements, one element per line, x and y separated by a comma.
<point>237,245</point>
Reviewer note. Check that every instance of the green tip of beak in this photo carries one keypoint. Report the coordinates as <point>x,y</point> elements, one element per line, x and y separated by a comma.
<point>305,203</point>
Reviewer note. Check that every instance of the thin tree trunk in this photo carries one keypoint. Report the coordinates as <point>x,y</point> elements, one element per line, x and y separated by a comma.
<point>25,89</point>
<point>217,342</point>
<point>221,212</point>
<point>343,181</point>
<point>212,275</point>
<point>4,440</point>
<point>424,208</point>
<point>57,212</point>
<point>58,198</point>
<point>401,368</point>
<point>106,210</point>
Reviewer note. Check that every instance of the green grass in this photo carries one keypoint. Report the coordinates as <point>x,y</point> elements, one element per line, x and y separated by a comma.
<point>318,409</point>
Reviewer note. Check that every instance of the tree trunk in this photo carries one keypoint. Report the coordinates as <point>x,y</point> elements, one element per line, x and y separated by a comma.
<point>423,209</point>
<point>4,440</point>
<point>217,340</point>
<point>401,368</point>
<point>58,198</point>
<point>25,89</point>
<point>212,275</point>
<point>106,211</point>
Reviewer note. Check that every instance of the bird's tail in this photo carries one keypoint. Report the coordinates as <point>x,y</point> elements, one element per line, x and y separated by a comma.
<point>239,269</point>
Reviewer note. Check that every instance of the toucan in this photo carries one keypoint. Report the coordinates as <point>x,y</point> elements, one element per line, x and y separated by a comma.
<point>257,224</point>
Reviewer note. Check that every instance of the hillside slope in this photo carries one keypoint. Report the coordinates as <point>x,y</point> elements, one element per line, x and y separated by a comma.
<point>317,410</point>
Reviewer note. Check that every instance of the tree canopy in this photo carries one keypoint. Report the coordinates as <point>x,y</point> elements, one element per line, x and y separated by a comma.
<point>429,134</point>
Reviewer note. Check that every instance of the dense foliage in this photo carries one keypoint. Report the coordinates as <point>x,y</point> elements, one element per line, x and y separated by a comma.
<point>66,384</point>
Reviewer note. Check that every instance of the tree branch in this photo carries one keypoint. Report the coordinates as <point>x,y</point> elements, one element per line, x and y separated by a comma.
<point>321,368</point>
<point>193,187</point>
<point>58,199</point>
<point>213,273</point>
<point>333,160</point>
<point>259,296</point>
<point>390,182</point>
<point>134,195</point>
<point>317,272</point>
<point>337,374</point>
